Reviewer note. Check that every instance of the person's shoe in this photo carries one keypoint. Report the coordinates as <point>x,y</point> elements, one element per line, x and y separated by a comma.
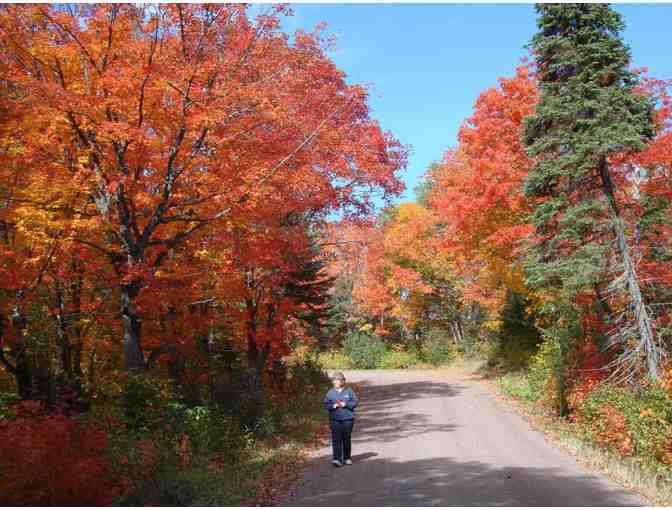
<point>337,463</point>
<point>348,462</point>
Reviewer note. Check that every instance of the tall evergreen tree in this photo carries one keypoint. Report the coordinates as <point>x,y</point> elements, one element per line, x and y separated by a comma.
<point>589,110</point>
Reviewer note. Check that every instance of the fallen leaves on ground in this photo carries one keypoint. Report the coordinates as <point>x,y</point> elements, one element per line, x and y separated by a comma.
<point>286,468</point>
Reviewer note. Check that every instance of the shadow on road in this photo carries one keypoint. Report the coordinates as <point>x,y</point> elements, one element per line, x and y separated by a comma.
<point>445,482</point>
<point>385,409</point>
<point>387,474</point>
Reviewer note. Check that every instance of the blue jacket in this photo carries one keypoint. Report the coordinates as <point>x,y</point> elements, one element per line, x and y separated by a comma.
<point>341,413</point>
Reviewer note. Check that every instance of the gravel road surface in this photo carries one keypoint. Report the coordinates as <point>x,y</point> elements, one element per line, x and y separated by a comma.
<point>424,438</point>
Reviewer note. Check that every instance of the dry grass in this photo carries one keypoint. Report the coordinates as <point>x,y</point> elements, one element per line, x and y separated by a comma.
<point>651,480</point>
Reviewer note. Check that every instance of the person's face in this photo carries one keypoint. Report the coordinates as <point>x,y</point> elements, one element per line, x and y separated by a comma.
<point>337,383</point>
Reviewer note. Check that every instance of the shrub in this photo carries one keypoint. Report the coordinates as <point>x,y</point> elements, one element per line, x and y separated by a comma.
<point>518,385</point>
<point>143,401</point>
<point>516,339</point>
<point>634,423</point>
<point>190,486</point>
<point>308,373</point>
<point>335,359</point>
<point>52,460</point>
<point>541,373</point>
<point>398,359</point>
<point>8,402</point>
<point>154,473</point>
<point>159,467</point>
<point>549,368</point>
<point>436,349</point>
<point>210,431</point>
<point>364,350</point>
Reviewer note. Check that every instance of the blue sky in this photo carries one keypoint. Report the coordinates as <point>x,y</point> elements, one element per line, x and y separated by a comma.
<point>426,64</point>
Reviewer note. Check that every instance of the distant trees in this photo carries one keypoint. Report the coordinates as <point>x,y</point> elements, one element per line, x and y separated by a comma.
<point>550,218</point>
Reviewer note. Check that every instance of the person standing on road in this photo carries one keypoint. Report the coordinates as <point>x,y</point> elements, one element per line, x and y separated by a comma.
<point>341,402</point>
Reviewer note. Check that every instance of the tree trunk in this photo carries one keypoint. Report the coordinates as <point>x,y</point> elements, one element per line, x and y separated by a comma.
<point>561,387</point>
<point>453,332</point>
<point>259,396</point>
<point>19,365</point>
<point>78,343</point>
<point>62,334</point>
<point>19,351</point>
<point>644,322</point>
<point>210,348</point>
<point>254,361</point>
<point>460,332</point>
<point>132,322</point>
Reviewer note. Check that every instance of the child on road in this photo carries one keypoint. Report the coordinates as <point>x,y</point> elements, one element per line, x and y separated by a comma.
<point>341,402</point>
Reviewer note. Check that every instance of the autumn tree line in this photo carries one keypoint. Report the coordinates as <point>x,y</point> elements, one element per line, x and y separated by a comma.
<point>166,177</point>
<point>542,239</point>
<point>170,260</point>
<point>166,173</point>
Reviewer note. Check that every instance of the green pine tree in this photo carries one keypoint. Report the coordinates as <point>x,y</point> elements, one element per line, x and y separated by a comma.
<point>588,110</point>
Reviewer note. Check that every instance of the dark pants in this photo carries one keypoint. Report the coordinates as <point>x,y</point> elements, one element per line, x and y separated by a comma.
<point>341,432</point>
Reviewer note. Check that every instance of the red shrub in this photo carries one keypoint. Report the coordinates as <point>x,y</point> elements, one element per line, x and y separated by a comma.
<point>48,460</point>
<point>589,371</point>
<point>612,430</point>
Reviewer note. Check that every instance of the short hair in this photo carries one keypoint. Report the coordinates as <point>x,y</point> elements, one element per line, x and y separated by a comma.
<point>338,375</point>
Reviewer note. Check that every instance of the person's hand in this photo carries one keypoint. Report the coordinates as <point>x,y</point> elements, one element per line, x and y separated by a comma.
<point>341,403</point>
<point>336,405</point>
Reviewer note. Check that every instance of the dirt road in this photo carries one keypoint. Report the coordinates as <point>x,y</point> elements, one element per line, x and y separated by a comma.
<point>426,439</point>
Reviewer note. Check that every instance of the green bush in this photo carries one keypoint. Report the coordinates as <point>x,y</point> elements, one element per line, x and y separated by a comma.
<point>532,382</point>
<point>396,359</point>
<point>143,401</point>
<point>542,367</point>
<point>175,453</point>
<point>364,350</point>
<point>210,431</point>
<point>7,401</point>
<point>436,349</point>
<point>514,343</point>
<point>647,413</point>
<point>518,385</point>
<point>309,372</point>
<point>335,359</point>
<point>173,484</point>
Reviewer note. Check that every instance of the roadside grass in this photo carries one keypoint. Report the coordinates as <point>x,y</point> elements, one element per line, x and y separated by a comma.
<point>643,475</point>
<point>334,360</point>
<point>258,474</point>
<point>277,465</point>
<point>260,478</point>
<point>272,467</point>
<point>390,360</point>
<point>277,462</point>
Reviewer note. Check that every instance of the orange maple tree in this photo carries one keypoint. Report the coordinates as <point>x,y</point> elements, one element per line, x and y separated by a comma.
<point>477,191</point>
<point>146,134</point>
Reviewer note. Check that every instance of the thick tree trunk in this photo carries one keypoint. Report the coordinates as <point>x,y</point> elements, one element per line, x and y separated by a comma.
<point>257,357</point>
<point>644,322</point>
<point>132,324</point>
